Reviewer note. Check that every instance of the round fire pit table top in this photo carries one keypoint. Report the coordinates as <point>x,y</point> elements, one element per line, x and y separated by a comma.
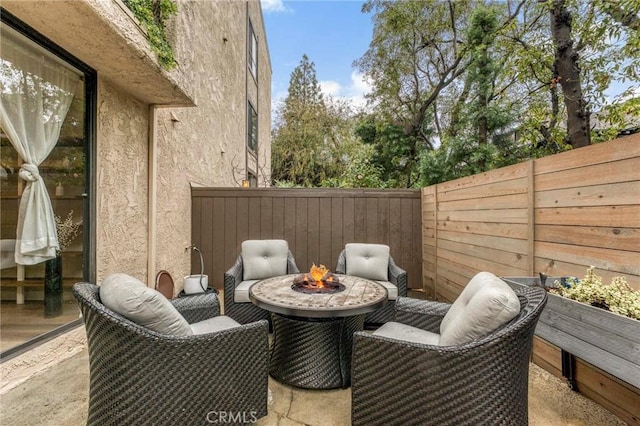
<point>360,296</point>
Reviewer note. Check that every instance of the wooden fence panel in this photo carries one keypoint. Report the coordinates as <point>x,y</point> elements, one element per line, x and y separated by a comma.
<point>557,215</point>
<point>482,224</point>
<point>316,223</point>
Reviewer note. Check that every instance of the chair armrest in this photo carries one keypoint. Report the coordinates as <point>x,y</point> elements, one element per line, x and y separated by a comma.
<point>232,278</point>
<point>424,314</point>
<point>292,268</point>
<point>198,307</point>
<point>341,267</point>
<point>398,277</point>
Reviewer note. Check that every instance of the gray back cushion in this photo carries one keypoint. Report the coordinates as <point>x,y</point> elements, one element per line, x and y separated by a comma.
<point>484,305</point>
<point>370,261</point>
<point>145,306</point>
<point>264,259</point>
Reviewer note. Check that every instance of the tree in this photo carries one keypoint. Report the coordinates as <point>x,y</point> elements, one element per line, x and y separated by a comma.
<point>567,73</point>
<point>299,134</point>
<point>593,43</point>
<point>483,69</point>
<point>430,76</point>
<point>497,82</point>
<point>313,139</point>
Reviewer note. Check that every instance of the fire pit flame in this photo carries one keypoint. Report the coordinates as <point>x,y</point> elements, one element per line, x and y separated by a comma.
<point>318,280</point>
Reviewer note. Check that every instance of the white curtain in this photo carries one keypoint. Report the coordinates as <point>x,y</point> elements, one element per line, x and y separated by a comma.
<point>35,95</point>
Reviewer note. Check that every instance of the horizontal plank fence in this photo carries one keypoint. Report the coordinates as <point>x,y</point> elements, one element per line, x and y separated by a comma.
<point>557,215</point>
<point>316,223</point>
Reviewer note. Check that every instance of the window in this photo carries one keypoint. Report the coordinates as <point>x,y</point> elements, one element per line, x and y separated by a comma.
<point>252,137</point>
<point>252,53</point>
<point>253,180</point>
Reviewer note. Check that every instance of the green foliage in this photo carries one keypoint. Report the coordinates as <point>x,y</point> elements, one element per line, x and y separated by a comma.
<point>395,154</point>
<point>617,297</point>
<point>458,157</point>
<point>299,130</point>
<point>152,15</point>
<point>476,80</point>
<point>313,139</point>
<point>359,171</point>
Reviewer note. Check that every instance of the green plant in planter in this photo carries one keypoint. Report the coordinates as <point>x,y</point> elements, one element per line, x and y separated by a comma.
<point>152,15</point>
<point>616,297</point>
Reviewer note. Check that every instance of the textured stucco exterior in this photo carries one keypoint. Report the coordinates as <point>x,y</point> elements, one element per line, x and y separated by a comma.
<point>122,184</point>
<point>137,230</point>
<point>206,145</point>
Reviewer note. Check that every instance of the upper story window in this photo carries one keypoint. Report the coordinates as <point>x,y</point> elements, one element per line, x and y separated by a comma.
<point>252,53</point>
<point>252,136</point>
<point>253,180</point>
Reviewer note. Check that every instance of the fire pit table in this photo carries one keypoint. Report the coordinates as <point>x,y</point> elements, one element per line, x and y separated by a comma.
<point>313,331</point>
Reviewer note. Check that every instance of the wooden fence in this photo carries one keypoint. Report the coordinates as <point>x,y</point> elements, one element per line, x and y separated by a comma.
<point>557,215</point>
<point>315,222</point>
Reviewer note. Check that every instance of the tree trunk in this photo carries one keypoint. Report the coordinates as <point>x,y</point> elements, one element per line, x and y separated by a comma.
<point>566,64</point>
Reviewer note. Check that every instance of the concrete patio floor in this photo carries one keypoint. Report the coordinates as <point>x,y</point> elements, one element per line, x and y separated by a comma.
<point>58,395</point>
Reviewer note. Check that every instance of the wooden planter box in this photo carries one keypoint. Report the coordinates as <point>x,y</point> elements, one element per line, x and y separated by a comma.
<point>604,339</point>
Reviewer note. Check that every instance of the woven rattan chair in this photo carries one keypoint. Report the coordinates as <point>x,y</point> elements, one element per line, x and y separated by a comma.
<point>139,376</point>
<point>395,276</point>
<point>236,287</point>
<point>484,381</point>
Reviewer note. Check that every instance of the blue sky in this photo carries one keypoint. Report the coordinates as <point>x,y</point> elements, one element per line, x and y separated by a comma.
<point>333,34</point>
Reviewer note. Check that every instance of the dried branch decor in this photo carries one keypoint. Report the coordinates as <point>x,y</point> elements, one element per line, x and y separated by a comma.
<point>67,231</point>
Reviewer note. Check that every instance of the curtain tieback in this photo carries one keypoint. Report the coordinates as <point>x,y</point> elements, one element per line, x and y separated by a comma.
<point>29,172</point>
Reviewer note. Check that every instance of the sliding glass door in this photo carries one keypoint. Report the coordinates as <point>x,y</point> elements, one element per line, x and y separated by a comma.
<point>46,118</point>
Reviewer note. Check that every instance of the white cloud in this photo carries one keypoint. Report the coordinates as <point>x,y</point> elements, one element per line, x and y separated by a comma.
<point>330,87</point>
<point>354,93</point>
<point>360,86</point>
<point>271,6</point>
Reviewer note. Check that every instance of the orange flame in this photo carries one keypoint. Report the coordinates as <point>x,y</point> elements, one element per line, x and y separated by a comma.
<point>318,272</point>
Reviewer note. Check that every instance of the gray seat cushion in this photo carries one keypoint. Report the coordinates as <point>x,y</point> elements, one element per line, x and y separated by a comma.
<point>214,324</point>
<point>407,333</point>
<point>485,304</point>
<point>145,306</point>
<point>241,293</point>
<point>370,261</point>
<point>264,259</point>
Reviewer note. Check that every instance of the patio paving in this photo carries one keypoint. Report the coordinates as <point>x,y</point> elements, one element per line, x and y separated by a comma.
<point>58,395</point>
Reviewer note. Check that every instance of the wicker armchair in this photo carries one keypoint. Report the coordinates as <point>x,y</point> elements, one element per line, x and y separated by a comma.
<point>139,376</point>
<point>484,381</point>
<point>242,310</point>
<point>395,275</point>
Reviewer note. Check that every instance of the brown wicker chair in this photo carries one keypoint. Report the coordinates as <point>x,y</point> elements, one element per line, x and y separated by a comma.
<point>245,312</point>
<point>139,376</point>
<point>484,381</point>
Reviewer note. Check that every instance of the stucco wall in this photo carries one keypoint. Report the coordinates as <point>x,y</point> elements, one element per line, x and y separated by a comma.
<point>206,145</point>
<point>122,184</point>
